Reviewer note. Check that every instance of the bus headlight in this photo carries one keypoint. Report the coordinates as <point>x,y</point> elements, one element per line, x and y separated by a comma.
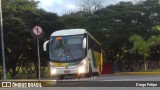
<point>53,71</point>
<point>81,69</point>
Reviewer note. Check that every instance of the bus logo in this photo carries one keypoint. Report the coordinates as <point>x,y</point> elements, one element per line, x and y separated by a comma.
<point>6,84</point>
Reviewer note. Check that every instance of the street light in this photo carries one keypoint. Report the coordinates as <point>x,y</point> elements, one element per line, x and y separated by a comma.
<point>2,42</point>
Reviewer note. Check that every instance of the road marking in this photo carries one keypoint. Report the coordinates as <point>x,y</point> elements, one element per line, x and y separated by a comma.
<point>81,79</point>
<point>139,79</point>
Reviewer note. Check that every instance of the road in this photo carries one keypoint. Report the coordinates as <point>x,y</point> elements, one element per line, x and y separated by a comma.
<point>113,77</point>
<point>109,81</point>
<point>104,82</point>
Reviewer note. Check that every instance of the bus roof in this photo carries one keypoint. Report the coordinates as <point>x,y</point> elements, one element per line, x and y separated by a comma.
<point>66,32</point>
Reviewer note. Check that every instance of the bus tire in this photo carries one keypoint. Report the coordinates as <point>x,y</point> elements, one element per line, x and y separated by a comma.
<point>89,74</point>
<point>100,71</point>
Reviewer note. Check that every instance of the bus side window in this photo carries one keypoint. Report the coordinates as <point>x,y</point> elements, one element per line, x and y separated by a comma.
<point>91,43</point>
<point>97,48</point>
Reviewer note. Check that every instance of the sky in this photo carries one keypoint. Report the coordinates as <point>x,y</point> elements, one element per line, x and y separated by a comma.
<point>63,6</point>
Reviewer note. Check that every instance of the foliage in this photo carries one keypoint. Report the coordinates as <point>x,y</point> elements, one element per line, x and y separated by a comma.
<point>89,6</point>
<point>142,46</point>
<point>112,26</point>
<point>19,17</point>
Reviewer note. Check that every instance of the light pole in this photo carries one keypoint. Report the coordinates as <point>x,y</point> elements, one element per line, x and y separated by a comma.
<point>2,42</point>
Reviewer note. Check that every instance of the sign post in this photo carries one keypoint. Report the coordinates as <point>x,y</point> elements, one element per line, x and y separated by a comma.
<point>37,31</point>
<point>2,42</point>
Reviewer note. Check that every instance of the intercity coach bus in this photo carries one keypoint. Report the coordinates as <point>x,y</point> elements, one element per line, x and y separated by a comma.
<point>74,52</point>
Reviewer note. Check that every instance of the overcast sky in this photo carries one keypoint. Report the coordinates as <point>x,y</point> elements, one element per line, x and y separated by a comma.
<point>62,6</point>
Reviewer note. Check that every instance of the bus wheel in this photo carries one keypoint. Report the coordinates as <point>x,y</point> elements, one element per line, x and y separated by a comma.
<point>89,74</point>
<point>99,72</point>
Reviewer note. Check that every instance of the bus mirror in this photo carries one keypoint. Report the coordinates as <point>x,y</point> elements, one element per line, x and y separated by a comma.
<point>45,45</point>
<point>84,43</point>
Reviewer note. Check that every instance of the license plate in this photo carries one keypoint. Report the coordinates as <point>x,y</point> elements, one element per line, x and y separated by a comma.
<point>66,71</point>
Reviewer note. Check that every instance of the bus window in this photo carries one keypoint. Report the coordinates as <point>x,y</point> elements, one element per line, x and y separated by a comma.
<point>66,48</point>
<point>58,49</point>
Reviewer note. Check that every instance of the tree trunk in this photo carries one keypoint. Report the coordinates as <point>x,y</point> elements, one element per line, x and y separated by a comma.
<point>145,63</point>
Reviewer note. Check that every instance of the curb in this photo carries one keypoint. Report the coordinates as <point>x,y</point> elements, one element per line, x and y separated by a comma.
<point>138,73</point>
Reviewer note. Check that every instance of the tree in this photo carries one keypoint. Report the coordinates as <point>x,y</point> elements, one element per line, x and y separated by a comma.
<point>12,33</point>
<point>19,18</point>
<point>90,6</point>
<point>75,20</point>
<point>143,46</point>
<point>112,26</point>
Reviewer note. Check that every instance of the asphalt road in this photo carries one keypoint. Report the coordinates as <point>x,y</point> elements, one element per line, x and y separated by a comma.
<point>104,82</point>
<point>111,81</point>
<point>113,77</point>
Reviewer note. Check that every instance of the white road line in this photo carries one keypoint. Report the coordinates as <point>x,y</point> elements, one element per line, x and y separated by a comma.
<point>139,79</point>
<point>80,79</point>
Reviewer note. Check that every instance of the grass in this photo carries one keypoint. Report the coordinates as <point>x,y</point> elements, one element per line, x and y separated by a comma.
<point>151,70</point>
<point>44,74</point>
<point>142,72</point>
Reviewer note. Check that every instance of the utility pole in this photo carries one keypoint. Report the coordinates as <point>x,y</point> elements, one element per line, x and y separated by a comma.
<point>2,42</point>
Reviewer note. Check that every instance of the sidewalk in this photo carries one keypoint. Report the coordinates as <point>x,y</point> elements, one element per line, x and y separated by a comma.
<point>137,73</point>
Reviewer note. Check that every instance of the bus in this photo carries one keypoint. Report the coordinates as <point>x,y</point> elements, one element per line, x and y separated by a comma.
<point>74,52</point>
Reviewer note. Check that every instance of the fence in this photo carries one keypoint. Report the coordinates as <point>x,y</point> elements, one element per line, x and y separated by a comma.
<point>135,66</point>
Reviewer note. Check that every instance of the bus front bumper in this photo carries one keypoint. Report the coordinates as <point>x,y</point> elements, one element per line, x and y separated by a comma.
<point>69,71</point>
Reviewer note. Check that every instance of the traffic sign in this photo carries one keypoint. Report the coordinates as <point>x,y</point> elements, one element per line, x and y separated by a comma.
<point>37,30</point>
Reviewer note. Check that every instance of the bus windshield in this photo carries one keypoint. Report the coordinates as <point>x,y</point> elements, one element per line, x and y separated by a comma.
<point>66,48</point>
